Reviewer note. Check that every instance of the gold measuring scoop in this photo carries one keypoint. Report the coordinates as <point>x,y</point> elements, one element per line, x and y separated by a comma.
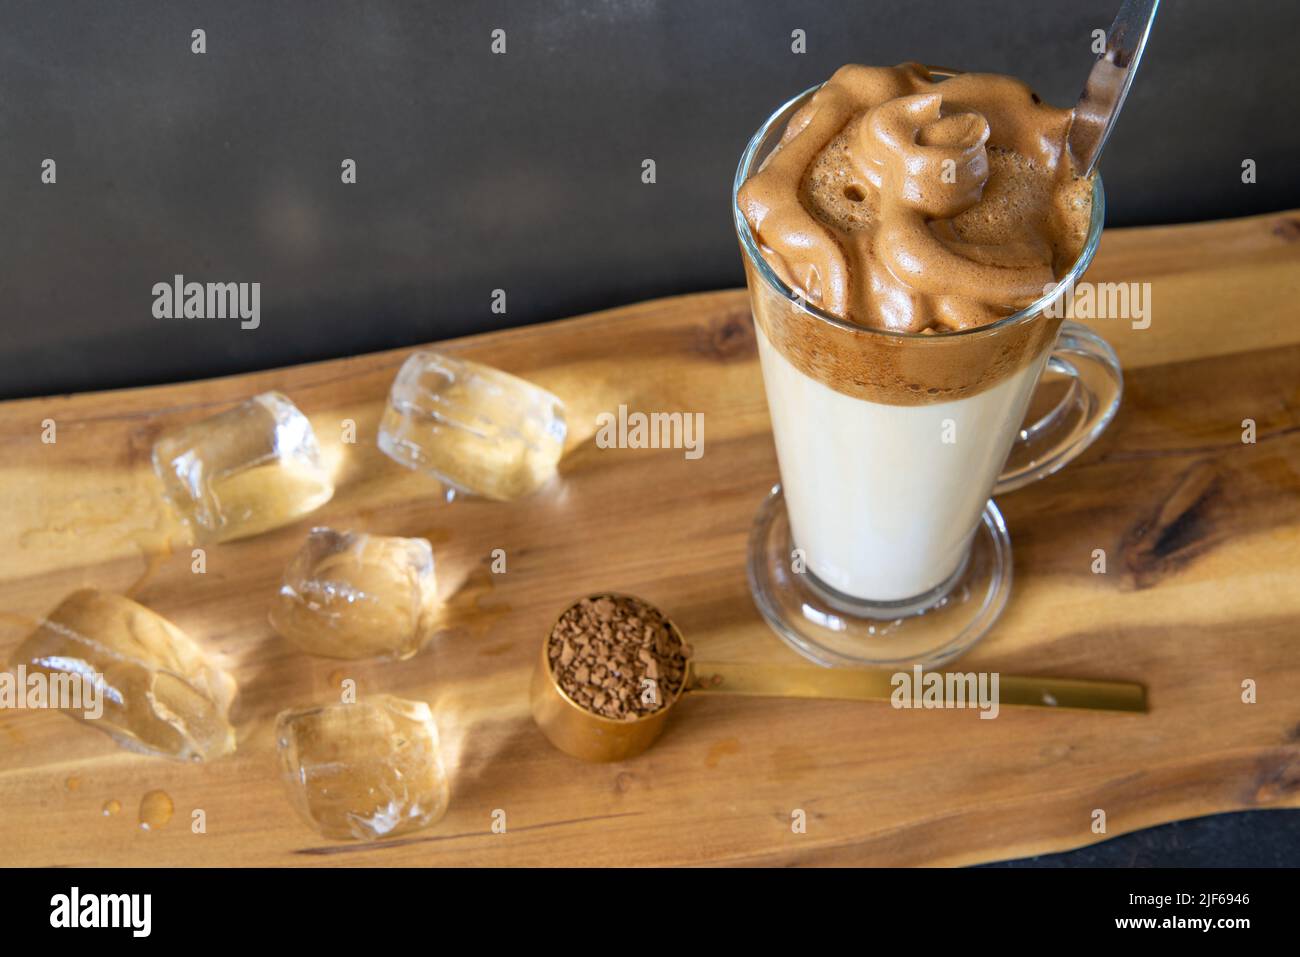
<point>589,736</point>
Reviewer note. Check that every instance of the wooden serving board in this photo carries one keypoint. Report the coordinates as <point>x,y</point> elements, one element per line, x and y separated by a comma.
<point>1201,533</point>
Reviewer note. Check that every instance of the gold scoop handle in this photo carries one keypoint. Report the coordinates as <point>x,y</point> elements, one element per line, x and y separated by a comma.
<point>861,684</point>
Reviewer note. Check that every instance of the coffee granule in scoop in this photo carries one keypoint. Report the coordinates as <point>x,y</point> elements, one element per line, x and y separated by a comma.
<point>617,657</point>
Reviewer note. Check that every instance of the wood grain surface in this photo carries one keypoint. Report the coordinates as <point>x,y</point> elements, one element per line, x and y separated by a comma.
<point>1202,534</point>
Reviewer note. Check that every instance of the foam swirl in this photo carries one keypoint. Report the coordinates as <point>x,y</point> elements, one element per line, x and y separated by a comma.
<point>906,203</point>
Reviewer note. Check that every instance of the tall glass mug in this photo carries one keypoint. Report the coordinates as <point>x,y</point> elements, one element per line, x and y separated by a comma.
<point>882,545</point>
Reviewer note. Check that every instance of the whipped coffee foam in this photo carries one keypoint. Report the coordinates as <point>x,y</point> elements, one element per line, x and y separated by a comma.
<point>905,202</point>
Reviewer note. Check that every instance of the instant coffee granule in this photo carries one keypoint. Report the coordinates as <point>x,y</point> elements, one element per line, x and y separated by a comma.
<point>617,657</point>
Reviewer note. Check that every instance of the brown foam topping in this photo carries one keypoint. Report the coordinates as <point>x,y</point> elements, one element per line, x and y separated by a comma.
<point>900,201</point>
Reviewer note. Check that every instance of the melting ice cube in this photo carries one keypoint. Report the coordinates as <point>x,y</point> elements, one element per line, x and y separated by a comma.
<point>348,595</point>
<point>476,428</point>
<point>366,770</point>
<point>245,471</point>
<point>161,694</point>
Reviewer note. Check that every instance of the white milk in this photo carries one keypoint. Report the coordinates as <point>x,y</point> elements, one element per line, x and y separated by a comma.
<point>882,507</point>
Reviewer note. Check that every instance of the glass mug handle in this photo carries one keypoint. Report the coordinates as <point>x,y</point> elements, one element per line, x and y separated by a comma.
<point>1089,370</point>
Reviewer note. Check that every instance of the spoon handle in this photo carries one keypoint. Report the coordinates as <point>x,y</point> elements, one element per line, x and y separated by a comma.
<point>1108,83</point>
<point>862,684</point>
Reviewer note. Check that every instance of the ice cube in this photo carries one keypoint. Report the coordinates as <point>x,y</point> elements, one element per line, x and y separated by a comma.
<point>349,595</point>
<point>245,471</point>
<point>366,770</point>
<point>473,427</point>
<point>161,693</point>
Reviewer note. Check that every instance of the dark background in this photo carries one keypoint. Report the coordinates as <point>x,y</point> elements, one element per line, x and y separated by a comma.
<point>521,172</point>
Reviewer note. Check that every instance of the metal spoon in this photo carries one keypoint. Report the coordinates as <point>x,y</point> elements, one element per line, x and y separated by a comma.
<point>1107,86</point>
<point>591,737</point>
